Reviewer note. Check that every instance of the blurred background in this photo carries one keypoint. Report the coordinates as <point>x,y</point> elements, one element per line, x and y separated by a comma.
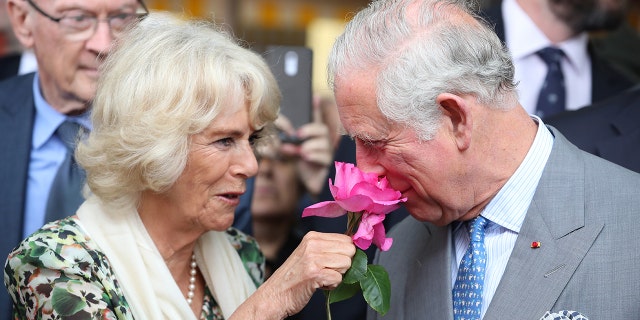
<point>312,23</point>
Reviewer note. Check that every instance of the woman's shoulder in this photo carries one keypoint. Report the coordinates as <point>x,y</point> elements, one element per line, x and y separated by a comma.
<point>59,245</point>
<point>64,231</point>
<point>59,270</point>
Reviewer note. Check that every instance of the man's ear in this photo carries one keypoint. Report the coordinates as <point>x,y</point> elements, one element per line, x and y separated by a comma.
<point>458,119</point>
<point>20,22</point>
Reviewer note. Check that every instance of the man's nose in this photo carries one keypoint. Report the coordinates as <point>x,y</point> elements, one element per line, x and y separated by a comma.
<point>102,38</point>
<point>366,162</point>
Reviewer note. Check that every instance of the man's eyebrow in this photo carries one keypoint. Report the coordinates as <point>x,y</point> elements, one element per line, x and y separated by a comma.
<point>363,136</point>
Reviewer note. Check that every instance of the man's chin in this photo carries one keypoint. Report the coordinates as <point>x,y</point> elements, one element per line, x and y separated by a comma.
<point>427,213</point>
<point>85,91</point>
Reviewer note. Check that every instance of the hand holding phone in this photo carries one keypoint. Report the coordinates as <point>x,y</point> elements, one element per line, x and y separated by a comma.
<point>291,66</point>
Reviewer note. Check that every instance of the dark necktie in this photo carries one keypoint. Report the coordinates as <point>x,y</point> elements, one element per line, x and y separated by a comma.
<point>65,195</point>
<point>552,98</point>
<point>467,291</point>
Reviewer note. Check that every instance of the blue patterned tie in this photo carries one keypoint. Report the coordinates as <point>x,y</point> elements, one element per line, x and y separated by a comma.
<point>467,291</point>
<point>552,98</point>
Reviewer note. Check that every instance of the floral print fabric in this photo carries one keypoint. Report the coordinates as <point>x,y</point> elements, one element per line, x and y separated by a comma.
<point>59,273</point>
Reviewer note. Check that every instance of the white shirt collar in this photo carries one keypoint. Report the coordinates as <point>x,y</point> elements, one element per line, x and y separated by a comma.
<point>47,119</point>
<point>509,207</point>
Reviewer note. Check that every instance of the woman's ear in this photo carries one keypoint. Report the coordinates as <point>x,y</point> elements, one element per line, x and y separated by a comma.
<point>21,22</point>
<point>458,118</point>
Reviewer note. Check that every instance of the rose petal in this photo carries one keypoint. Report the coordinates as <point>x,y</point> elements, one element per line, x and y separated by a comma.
<point>328,209</point>
<point>374,192</point>
<point>355,203</point>
<point>343,175</point>
<point>362,243</point>
<point>338,192</point>
<point>366,230</point>
<point>371,178</point>
<point>380,239</point>
<point>367,193</point>
<point>383,208</point>
<point>383,183</point>
<point>372,219</point>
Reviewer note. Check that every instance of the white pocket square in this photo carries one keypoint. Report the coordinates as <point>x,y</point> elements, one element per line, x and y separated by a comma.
<point>564,315</point>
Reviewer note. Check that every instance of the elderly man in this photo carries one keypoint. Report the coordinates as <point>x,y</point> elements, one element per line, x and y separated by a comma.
<point>509,219</point>
<point>40,180</point>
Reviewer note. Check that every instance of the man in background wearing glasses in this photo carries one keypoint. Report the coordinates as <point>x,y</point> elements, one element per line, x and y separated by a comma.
<point>41,110</point>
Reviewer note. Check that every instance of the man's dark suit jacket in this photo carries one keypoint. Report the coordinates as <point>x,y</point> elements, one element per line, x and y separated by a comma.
<point>9,65</point>
<point>17,111</point>
<point>609,129</point>
<point>606,81</point>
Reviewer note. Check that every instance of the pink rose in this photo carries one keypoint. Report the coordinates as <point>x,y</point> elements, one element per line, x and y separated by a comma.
<point>364,193</point>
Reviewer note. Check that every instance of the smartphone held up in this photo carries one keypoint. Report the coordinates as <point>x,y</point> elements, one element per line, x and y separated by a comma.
<point>291,66</point>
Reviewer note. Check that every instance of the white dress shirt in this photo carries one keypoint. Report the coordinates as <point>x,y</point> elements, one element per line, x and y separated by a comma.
<point>506,212</point>
<point>524,39</point>
<point>28,62</point>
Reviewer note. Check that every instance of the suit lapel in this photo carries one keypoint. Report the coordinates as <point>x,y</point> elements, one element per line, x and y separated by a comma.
<point>431,294</point>
<point>622,148</point>
<point>534,278</point>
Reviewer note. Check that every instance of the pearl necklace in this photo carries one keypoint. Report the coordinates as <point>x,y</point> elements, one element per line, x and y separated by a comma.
<point>192,279</point>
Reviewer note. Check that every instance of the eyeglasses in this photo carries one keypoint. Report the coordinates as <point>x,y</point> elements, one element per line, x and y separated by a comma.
<point>80,25</point>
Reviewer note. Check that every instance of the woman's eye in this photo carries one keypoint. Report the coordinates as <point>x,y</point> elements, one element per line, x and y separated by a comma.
<point>255,138</point>
<point>225,142</point>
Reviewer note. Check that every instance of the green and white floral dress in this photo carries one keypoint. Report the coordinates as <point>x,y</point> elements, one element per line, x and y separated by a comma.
<point>59,273</point>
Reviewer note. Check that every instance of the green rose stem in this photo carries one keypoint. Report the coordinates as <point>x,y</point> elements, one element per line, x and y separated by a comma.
<point>328,304</point>
<point>353,221</point>
<point>372,280</point>
<point>376,198</point>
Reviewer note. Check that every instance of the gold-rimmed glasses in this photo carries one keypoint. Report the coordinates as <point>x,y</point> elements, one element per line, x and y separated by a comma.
<point>79,25</point>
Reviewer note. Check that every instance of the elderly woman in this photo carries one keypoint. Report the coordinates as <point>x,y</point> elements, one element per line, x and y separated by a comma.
<point>178,110</point>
